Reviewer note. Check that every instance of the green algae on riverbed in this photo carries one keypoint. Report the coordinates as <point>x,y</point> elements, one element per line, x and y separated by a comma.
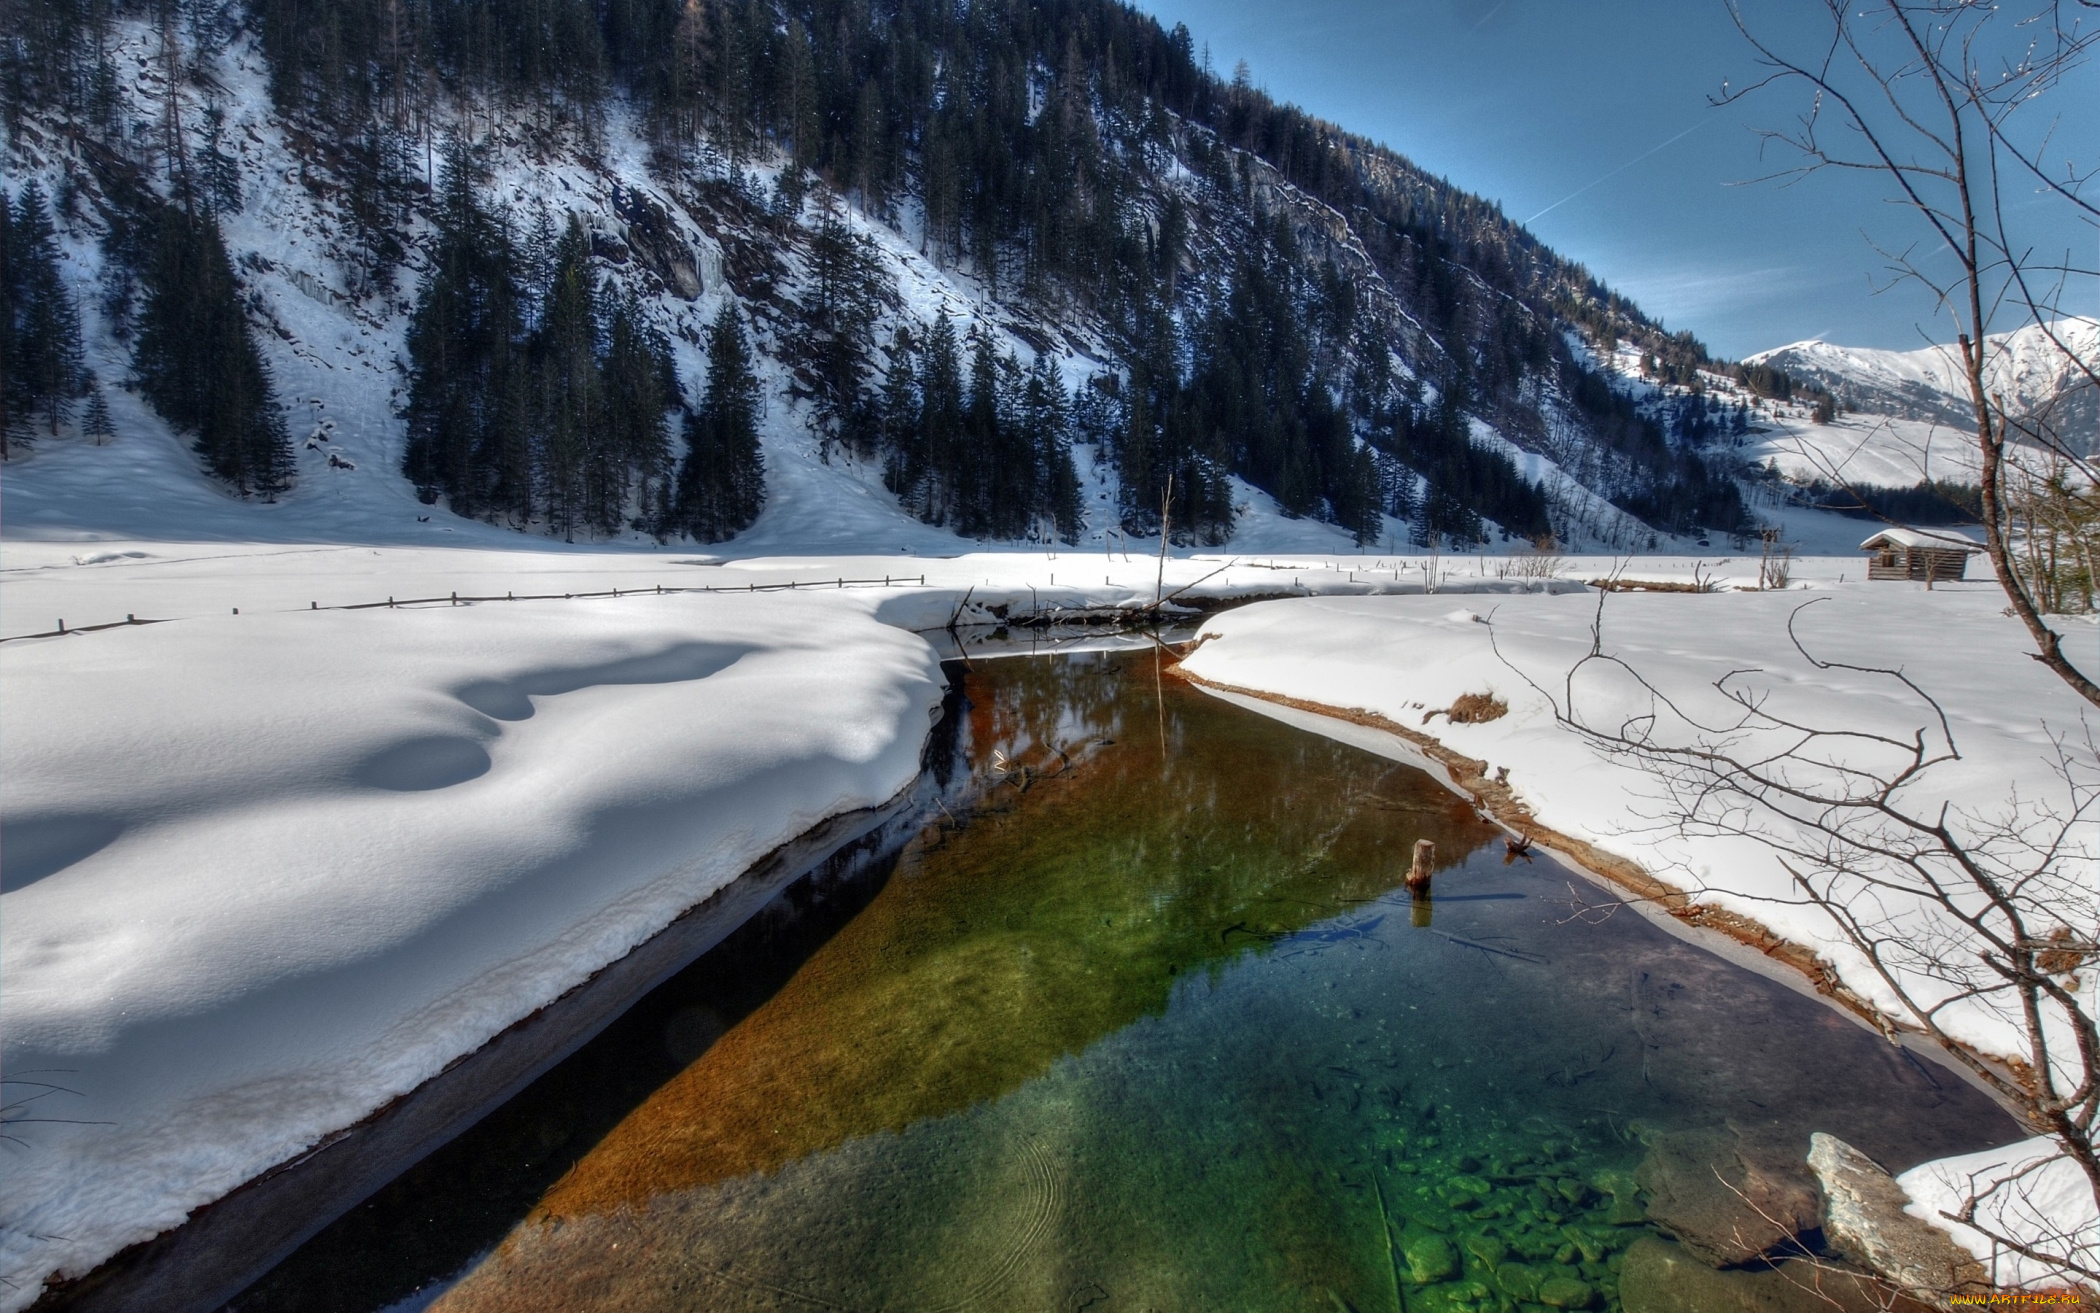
<point>1152,1026</point>
<point>1093,875</point>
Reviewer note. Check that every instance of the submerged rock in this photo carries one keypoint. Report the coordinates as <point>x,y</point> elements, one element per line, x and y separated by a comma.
<point>1626,1208</point>
<point>1488,1249</point>
<point>1627,1211</point>
<point>1661,1277</point>
<point>1430,1259</point>
<point>1566,1292</point>
<point>1729,1199</point>
<point>1865,1221</point>
<point>1517,1281</point>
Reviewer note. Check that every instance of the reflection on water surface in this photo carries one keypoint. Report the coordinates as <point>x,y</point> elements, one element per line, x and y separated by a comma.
<point>1148,1026</point>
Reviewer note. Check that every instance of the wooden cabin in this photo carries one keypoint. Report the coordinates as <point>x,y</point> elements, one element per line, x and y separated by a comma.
<point>1923,554</point>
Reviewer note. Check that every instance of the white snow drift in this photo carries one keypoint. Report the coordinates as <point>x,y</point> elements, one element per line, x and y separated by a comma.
<point>265,873</point>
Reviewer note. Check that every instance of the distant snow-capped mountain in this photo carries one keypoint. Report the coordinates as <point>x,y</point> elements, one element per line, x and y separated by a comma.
<point>2026,366</point>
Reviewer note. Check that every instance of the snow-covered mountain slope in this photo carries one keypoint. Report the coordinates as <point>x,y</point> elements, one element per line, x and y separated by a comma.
<point>338,360</point>
<point>1865,449</point>
<point>2027,366</point>
<point>336,345</point>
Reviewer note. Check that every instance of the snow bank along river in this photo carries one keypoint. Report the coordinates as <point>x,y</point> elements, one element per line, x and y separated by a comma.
<point>1403,659</point>
<point>266,873</point>
<point>1148,1023</point>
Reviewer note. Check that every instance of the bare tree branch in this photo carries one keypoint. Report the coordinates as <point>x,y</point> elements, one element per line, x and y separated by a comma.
<point>1928,94</point>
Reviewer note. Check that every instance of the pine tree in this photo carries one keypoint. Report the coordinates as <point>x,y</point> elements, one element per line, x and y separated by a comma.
<point>217,170</point>
<point>721,487</point>
<point>45,371</point>
<point>469,439</point>
<point>905,459</point>
<point>10,333</point>
<point>641,383</point>
<point>833,337</point>
<point>985,493</point>
<point>798,95</point>
<point>941,424</point>
<point>577,465</point>
<point>198,363</point>
<point>96,425</point>
<point>1045,419</point>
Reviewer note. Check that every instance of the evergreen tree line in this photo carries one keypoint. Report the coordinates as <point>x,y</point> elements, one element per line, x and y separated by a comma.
<point>1929,501</point>
<point>171,291</point>
<point>1697,418</point>
<point>1674,487</point>
<point>170,287</point>
<point>556,408</point>
<point>985,450</point>
<point>42,367</point>
<point>1279,377</point>
<point>196,359</point>
<point>1464,485</point>
<point>1247,393</point>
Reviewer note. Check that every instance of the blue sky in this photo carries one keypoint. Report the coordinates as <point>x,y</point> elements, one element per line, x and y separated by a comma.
<point>1590,120</point>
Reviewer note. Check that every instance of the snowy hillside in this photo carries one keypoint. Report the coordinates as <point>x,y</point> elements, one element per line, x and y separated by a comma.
<point>1927,384</point>
<point>1865,449</point>
<point>713,232</point>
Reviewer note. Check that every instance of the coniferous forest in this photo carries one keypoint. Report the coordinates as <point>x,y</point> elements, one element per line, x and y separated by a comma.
<point>551,407</point>
<point>1276,299</point>
<point>196,359</point>
<point>40,332</point>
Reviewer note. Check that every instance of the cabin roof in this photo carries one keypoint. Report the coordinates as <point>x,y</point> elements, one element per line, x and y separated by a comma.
<point>1944,539</point>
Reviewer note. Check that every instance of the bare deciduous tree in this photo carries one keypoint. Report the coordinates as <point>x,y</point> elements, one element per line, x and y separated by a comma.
<point>1972,918</point>
<point>1949,102</point>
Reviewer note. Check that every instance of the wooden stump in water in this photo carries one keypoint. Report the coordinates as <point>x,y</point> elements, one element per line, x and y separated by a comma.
<point>1421,908</point>
<point>1419,874</point>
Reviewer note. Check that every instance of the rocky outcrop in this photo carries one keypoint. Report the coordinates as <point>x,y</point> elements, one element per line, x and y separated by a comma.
<point>656,243</point>
<point>1729,1198</point>
<point>1864,1220</point>
<point>1660,1277</point>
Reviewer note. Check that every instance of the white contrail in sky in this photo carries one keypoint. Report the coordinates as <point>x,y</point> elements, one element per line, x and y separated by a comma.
<point>1615,172</point>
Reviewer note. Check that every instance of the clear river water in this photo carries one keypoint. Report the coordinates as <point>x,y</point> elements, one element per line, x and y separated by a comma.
<point>1143,1021</point>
